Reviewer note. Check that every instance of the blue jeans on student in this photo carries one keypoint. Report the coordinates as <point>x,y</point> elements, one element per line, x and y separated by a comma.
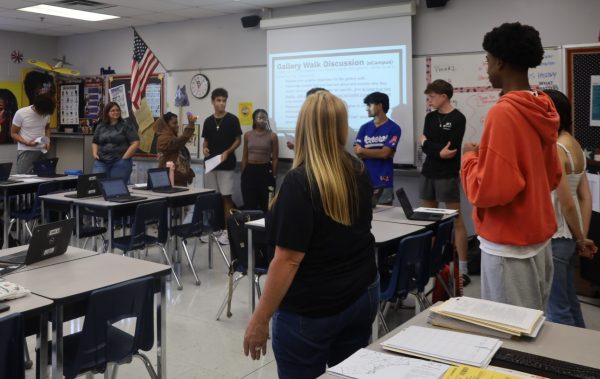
<point>563,305</point>
<point>303,345</point>
<point>120,168</point>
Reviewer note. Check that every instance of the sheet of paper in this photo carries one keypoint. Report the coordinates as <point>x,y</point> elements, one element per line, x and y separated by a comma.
<point>369,364</point>
<point>444,345</point>
<point>594,180</point>
<point>490,311</point>
<point>212,163</point>
<point>466,372</point>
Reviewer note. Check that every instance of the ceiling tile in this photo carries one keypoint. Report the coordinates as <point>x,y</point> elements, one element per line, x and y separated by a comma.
<point>163,17</point>
<point>15,4</point>
<point>193,13</point>
<point>233,7</point>
<point>149,5</point>
<point>273,3</point>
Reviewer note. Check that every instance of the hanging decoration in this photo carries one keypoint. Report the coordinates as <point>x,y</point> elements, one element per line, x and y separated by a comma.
<point>16,56</point>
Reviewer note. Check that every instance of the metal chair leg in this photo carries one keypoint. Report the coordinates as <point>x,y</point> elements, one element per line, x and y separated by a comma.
<point>114,371</point>
<point>236,281</point>
<point>147,364</point>
<point>382,321</point>
<point>185,250</point>
<point>257,285</point>
<point>221,250</point>
<point>179,287</point>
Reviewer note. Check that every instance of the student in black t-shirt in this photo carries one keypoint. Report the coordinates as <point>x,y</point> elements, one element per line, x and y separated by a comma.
<point>222,135</point>
<point>440,181</point>
<point>323,288</point>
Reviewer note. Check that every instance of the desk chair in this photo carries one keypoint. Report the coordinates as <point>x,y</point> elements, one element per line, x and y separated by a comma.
<point>100,346</point>
<point>147,214</point>
<point>440,255</point>
<point>33,213</point>
<point>12,347</point>
<point>212,221</point>
<point>408,270</point>
<point>193,229</point>
<point>238,247</point>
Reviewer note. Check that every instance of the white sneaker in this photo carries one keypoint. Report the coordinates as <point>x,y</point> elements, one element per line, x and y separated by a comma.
<point>223,238</point>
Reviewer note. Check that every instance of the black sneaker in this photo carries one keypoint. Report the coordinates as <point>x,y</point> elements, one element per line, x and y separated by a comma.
<point>466,280</point>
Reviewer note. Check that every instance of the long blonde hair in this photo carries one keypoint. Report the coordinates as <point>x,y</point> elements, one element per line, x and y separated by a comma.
<point>321,133</point>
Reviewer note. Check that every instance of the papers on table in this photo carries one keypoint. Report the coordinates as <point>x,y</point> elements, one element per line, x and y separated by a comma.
<point>212,163</point>
<point>369,364</point>
<point>464,326</point>
<point>466,372</point>
<point>10,291</point>
<point>444,346</point>
<point>517,321</point>
<point>443,211</point>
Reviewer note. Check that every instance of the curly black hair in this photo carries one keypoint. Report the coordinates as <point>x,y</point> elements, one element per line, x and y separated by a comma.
<point>514,43</point>
<point>563,107</point>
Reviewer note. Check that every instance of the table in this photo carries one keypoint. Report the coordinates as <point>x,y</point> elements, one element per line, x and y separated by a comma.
<point>555,341</point>
<point>72,253</point>
<point>70,282</point>
<point>27,185</point>
<point>34,309</point>
<point>384,232</point>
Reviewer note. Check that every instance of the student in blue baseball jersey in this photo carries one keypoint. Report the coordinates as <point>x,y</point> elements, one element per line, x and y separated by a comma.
<point>376,144</point>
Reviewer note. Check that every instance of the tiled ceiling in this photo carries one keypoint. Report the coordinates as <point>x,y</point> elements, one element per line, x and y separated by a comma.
<point>131,13</point>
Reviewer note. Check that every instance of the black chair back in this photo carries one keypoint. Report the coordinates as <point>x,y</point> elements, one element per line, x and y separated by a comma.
<point>12,345</point>
<point>146,214</point>
<point>211,205</point>
<point>238,240</point>
<point>100,342</point>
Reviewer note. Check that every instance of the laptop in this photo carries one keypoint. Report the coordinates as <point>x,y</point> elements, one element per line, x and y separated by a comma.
<point>116,190</point>
<point>46,168</point>
<point>5,174</point>
<point>158,181</point>
<point>48,240</point>
<point>87,186</point>
<point>411,214</point>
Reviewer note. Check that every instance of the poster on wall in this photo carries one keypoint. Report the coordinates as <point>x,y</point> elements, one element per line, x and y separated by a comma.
<point>92,97</point>
<point>118,95</point>
<point>69,104</point>
<point>10,93</point>
<point>245,110</point>
<point>153,98</point>
<point>595,101</point>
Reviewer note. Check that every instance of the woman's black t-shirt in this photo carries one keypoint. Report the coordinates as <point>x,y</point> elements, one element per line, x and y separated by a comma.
<point>339,261</point>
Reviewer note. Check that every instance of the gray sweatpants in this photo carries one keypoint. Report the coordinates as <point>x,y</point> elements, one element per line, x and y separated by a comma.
<point>523,282</point>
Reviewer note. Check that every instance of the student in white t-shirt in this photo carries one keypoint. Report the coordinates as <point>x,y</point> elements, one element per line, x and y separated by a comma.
<point>29,124</point>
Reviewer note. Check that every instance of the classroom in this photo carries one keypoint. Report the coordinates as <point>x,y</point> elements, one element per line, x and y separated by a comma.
<point>370,162</point>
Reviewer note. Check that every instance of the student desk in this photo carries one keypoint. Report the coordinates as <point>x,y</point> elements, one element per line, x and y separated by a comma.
<point>72,254</point>
<point>396,215</point>
<point>70,283</point>
<point>27,185</point>
<point>112,209</point>
<point>384,232</point>
<point>565,343</point>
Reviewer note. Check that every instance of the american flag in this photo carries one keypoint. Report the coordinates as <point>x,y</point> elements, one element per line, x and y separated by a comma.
<point>142,66</point>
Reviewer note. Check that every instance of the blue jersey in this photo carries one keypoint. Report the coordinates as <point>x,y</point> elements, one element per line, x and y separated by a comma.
<point>371,137</point>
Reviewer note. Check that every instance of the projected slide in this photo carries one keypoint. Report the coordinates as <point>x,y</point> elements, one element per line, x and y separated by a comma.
<point>350,74</point>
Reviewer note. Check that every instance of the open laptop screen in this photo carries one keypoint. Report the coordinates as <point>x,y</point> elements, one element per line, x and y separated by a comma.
<point>114,188</point>
<point>404,202</point>
<point>5,170</point>
<point>159,178</point>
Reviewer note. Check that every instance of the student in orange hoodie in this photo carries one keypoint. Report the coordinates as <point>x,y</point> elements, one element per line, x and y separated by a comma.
<point>509,176</point>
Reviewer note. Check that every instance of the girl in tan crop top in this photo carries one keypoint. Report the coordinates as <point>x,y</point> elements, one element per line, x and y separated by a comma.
<point>259,162</point>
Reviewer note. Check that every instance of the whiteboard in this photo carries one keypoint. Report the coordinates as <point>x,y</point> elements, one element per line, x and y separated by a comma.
<point>473,95</point>
<point>244,84</point>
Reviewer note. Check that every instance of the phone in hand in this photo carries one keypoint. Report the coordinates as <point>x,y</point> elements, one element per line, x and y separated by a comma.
<point>4,307</point>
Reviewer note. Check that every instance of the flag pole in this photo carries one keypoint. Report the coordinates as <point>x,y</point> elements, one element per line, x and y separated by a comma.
<point>159,62</point>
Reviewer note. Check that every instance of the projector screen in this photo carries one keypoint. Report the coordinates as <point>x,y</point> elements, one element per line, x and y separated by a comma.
<point>351,60</point>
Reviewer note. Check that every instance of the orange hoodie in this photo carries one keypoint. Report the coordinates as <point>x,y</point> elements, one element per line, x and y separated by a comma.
<point>510,179</point>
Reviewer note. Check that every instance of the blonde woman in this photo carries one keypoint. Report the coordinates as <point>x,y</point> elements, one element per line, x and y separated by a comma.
<point>323,288</point>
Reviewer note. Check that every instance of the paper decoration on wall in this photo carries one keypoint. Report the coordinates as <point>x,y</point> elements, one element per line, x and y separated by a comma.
<point>119,96</point>
<point>56,69</point>
<point>16,56</point>
<point>106,71</point>
<point>181,97</point>
<point>69,104</point>
<point>92,97</point>
<point>245,113</point>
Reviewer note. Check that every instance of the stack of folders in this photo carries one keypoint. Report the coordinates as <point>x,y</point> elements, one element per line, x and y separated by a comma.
<point>487,317</point>
<point>444,346</point>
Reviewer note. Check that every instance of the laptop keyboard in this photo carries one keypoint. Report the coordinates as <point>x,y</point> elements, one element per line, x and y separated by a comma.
<point>18,257</point>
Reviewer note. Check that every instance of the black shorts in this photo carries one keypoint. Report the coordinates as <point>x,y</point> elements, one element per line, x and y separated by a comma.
<point>446,190</point>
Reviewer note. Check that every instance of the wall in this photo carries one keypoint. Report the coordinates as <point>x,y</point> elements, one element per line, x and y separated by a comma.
<point>32,46</point>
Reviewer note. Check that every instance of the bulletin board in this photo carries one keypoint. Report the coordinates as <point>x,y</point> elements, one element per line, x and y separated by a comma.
<point>155,94</point>
<point>582,67</point>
